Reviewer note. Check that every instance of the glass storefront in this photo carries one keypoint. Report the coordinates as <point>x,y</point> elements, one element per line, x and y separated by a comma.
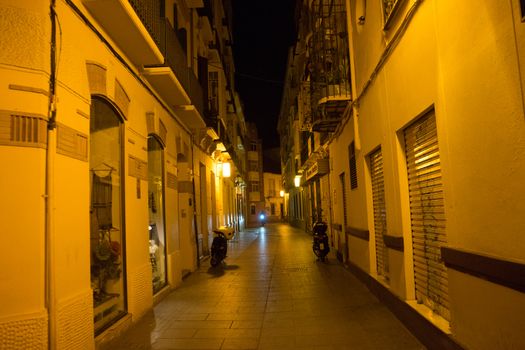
<point>157,233</point>
<point>106,231</point>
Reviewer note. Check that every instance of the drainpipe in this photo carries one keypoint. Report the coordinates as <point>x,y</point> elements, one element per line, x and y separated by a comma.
<point>194,205</point>
<point>50,188</point>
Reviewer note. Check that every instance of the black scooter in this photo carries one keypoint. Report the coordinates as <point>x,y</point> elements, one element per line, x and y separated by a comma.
<point>219,246</point>
<point>320,243</point>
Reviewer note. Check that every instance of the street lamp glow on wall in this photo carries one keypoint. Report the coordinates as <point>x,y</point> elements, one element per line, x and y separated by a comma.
<point>297,180</point>
<point>226,170</point>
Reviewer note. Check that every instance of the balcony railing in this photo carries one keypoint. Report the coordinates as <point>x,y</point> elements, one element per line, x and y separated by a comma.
<point>162,32</point>
<point>176,59</point>
<point>330,62</point>
<point>149,12</point>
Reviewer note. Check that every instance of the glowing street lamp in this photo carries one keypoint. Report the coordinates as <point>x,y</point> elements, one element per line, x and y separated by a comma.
<point>281,193</point>
<point>226,169</point>
<point>297,180</point>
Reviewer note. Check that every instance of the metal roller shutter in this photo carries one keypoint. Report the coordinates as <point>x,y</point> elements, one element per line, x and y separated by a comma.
<point>427,211</point>
<point>378,197</point>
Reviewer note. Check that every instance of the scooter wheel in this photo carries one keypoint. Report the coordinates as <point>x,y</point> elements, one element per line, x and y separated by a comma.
<point>214,261</point>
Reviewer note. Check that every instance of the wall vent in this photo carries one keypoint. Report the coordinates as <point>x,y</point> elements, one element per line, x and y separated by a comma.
<point>22,130</point>
<point>96,78</point>
<point>137,168</point>
<point>171,181</point>
<point>72,143</point>
<point>162,131</point>
<point>121,98</point>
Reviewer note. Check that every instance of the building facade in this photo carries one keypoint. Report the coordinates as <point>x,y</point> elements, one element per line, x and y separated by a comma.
<point>420,118</point>
<point>123,142</point>
<point>255,179</point>
<point>273,197</point>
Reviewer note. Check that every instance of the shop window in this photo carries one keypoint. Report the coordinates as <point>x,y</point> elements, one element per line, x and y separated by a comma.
<point>157,233</point>
<point>106,234</point>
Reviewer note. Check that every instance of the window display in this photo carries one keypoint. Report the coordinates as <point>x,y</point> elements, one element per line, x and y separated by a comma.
<point>157,235</point>
<point>106,233</point>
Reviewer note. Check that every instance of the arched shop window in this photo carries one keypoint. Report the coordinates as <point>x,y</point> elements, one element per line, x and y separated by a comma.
<point>106,230</point>
<point>157,233</point>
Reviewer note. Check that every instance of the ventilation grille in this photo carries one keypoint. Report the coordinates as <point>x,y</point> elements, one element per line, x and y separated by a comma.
<point>72,143</point>
<point>22,130</point>
<point>121,98</point>
<point>137,168</point>
<point>162,131</point>
<point>96,78</point>
<point>172,181</point>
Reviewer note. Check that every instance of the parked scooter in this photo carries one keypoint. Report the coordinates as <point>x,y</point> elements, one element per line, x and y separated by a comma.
<point>320,242</point>
<point>219,246</point>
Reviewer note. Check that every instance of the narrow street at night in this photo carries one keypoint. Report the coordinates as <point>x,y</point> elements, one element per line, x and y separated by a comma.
<point>270,293</point>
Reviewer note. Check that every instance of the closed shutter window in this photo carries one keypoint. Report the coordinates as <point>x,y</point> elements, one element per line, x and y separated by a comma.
<point>427,212</point>
<point>378,194</point>
<point>353,166</point>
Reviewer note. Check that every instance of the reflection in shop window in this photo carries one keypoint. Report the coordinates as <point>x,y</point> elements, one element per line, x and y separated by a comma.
<point>157,233</point>
<point>106,236</point>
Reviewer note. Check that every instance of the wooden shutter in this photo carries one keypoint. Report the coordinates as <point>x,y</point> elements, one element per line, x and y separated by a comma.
<point>427,212</point>
<point>378,194</point>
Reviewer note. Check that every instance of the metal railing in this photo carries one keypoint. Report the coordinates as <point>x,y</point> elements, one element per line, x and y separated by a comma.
<point>150,13</point>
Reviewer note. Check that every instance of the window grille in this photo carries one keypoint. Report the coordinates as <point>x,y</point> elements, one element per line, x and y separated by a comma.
<point>427,211</point>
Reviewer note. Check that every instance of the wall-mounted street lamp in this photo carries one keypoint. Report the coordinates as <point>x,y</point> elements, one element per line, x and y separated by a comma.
<point>281,193</point>
<point>226,169</point>
<point>297,180</point>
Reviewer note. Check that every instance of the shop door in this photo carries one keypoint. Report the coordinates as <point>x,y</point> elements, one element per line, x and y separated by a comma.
<point>427,210</point>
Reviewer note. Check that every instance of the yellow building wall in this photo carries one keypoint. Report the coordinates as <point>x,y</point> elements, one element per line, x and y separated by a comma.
<point>463,60</point>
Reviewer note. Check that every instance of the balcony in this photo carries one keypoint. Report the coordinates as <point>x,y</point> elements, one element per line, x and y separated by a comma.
<point>134,26</point>
<point>175,81</point>
<point>330,62</point>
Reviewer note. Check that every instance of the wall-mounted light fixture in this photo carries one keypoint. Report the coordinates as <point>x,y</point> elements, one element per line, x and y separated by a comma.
<point>281,193</point>
<point>297,180</point>
<point>226,169</point>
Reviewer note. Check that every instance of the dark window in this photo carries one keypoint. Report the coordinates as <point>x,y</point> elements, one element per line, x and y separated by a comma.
<point>253,147</point>
<point>353,166</point>
<point>272,208</point>
<point>252,209</point>
<point>522,3</point>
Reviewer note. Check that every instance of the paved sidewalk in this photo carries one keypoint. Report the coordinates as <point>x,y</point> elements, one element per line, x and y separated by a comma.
<point>270,294</point>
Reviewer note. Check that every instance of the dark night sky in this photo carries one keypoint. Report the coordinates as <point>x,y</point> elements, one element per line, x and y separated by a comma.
<point>263,30</point>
